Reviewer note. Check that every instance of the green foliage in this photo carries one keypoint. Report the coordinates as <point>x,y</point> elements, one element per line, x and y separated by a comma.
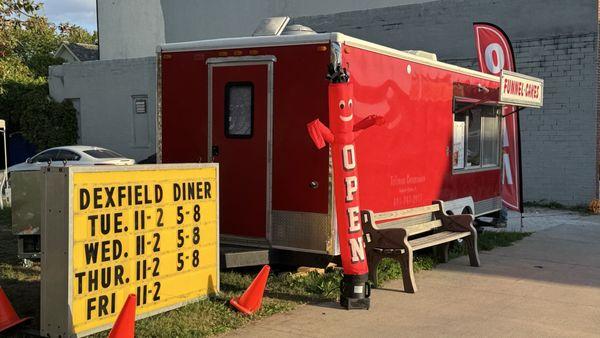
<point>389,269</point>
<point>318,285</point>
<point>27,46</point>
<point>36,42</point>
<point>12,15</point>
<point>488,241</point>
<point>12,69</point>
<point>46,123</point>
<point>204,318</point>
<point>11,10</point>
<point>74,33</point>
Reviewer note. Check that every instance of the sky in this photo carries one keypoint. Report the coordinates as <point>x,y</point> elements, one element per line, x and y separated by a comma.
<point>80,12</point>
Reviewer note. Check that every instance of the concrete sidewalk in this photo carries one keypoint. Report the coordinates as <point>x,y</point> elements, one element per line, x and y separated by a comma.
<point>546,285</point>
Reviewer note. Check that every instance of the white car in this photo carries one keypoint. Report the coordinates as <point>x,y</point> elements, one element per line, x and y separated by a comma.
<point>72,155</point>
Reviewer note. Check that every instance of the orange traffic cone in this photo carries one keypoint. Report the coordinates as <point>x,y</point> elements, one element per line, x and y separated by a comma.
<point>8,316</point>
<point>251,300</point>
<point>125,325</point>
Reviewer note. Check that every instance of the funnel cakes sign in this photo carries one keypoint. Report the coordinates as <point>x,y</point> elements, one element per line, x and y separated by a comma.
<point>520,90</point>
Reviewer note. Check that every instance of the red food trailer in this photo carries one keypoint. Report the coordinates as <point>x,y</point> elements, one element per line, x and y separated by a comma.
<point>245,103</point>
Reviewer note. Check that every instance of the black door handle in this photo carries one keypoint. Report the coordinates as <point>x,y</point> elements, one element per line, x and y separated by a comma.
<point>215,150</point>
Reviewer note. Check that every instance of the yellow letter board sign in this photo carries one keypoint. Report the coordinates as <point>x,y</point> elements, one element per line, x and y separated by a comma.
<point>148,230</point>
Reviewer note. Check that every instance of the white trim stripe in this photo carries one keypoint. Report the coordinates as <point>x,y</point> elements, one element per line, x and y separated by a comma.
<point>350,41</point>
<point>287,40</point>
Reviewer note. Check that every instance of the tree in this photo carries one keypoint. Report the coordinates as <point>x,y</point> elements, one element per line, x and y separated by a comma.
<point>32,38</point>
<point>12,14</point>
<point>37,40</point>
<point>27,45</point>
<point>75,33</point>
<point>11,10</point>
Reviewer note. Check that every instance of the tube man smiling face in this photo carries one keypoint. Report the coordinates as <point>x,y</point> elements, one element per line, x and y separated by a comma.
<point>346,114</point>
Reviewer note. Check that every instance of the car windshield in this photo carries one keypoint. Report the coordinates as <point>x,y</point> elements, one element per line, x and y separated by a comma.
<point>102,153</point>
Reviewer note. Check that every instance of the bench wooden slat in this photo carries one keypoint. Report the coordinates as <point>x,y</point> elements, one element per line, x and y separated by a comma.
<point>435,239</point>
<point>406,212</point>
<point>411,229</point>
<point>423,227</point>
<point>404,222</point>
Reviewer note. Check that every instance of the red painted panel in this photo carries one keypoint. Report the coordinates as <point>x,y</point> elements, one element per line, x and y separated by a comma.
<point>184,105</point>
<point>242,161</point>
<point>407,162</point>
<point>300,95</point>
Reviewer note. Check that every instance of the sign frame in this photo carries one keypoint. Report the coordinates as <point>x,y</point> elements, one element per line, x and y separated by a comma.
<point>512,101</point>
<point>57,283</point>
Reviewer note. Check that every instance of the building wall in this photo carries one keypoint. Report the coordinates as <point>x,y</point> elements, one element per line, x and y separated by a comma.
<point>129,28</point>
<point>104,91</point>
<point>133,28</point>
<point>558,140</point>
<point>552,40</point>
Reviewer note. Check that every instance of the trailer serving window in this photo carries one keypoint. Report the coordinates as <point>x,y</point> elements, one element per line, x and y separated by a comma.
<point>476,137</point>
<point>239,109</point>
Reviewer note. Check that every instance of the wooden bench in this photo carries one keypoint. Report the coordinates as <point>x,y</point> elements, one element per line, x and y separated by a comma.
<point>396,234</point>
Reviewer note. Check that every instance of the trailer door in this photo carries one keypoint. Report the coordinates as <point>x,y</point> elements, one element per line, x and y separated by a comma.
<point>239,140</point>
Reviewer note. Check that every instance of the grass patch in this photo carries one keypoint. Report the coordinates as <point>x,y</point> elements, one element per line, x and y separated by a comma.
<point>389,269</point>
<point>488,241</point>
<point>204,318</point>
<point>285,290</point>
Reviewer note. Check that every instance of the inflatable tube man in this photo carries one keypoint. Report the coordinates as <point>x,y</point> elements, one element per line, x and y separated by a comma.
<point>341,135</point>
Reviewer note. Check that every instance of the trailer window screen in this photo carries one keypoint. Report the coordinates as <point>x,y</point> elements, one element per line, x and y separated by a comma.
<point>473,138</point>
<point>239,109</point>
<point>490,128</point>
<point>476,137</point>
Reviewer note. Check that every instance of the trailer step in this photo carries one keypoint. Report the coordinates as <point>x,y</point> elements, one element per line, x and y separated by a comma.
<point>233,256</point>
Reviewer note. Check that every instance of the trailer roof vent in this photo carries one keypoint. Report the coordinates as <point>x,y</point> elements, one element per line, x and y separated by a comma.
<point>298,30</point>
<point>271,26</point>
<point>423,54</point>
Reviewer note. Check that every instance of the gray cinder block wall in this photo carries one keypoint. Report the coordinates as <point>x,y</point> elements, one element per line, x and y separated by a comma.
<point>553,39</point>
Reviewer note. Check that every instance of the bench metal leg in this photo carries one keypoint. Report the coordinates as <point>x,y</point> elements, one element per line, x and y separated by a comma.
<point>442,252</point>
<point>373,259</point>
<point>471,243</point>
<point>408,275</point>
